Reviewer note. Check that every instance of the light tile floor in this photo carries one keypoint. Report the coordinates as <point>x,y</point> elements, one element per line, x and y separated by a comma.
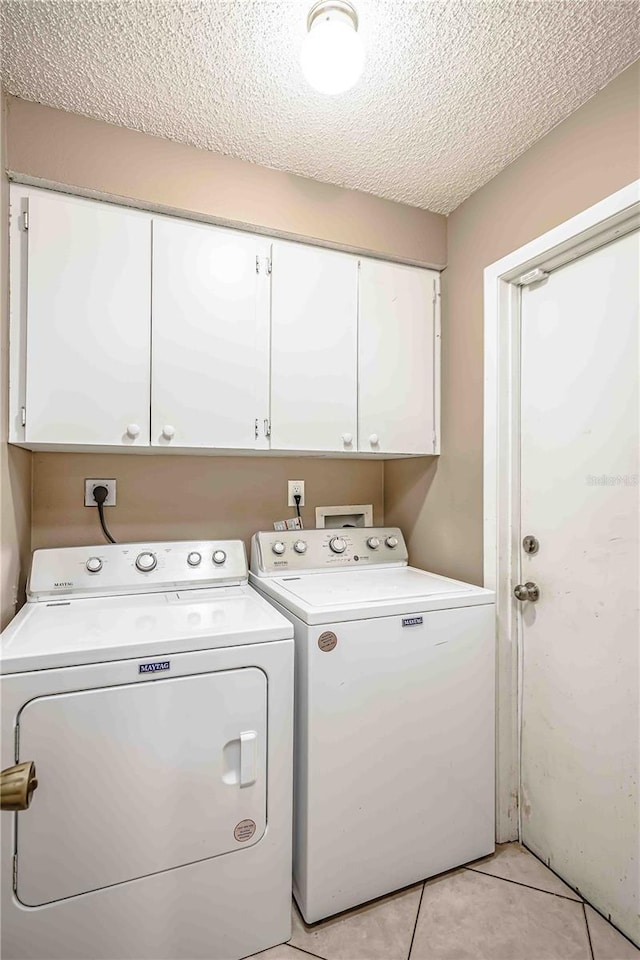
<point>505,907</point>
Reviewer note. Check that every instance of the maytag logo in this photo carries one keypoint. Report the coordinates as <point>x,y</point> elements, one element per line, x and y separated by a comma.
<point>411,621</point>
<point>64,583</point>
<point>154,667</point>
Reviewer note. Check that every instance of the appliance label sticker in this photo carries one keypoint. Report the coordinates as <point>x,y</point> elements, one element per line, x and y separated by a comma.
<point>244,830</point>
<point>411,621</point>
<point>154,667</point>
<point>327,641</point>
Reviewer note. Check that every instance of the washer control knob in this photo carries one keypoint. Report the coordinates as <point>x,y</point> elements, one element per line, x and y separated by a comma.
<point>338,545</point>
<point>279,547</point>
<point>146,561</point>
<point>168,431</point>
<point>373,543</point>
<point>374,440</point>
<point>94,564</point>
<point>300,546</point>
<point>392,542</point>
<point>219,557</point>
<point>133,430</point>
<point>194,558</point>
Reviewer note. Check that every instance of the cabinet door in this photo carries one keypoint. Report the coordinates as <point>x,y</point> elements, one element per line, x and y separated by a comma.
<point>313,349</point>
<point>210,354</point>
<point>88,322</point>
<point>398,353</point>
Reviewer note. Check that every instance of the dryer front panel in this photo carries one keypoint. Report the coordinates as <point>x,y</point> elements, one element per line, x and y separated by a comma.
<point>140,778</point>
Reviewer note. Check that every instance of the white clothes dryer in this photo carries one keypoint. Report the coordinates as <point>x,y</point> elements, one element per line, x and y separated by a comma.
<point>153,690</point>
<point>394,717</point>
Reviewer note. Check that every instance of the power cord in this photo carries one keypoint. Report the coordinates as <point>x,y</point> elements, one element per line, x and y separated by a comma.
<point>100,494</point>
<point>297,497</point>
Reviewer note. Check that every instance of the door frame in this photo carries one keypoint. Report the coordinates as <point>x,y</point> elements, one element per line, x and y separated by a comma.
<point>602,223</point>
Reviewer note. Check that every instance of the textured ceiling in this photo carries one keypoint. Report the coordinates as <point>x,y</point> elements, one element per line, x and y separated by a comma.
<point>452,91</point>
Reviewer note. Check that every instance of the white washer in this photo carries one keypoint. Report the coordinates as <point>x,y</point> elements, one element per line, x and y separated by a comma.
<point>153,689</point>
<point>394,745</point>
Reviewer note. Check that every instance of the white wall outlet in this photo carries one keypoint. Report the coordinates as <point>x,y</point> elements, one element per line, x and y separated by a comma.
<point>90,485</point>
<point>294,487</point>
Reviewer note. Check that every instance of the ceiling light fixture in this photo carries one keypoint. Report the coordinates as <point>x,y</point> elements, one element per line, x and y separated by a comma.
<point>332,55</point>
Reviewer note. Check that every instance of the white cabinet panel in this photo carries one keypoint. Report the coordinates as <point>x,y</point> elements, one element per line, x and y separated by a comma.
<point>313,349</point>
<point>210,351</point>
<point>197,744</point>
<point>87,321</point>
<point>397,359</point>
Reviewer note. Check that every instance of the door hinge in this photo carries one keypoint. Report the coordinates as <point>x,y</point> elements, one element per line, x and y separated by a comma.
<point>532,276</point>
<point>255,428</point>
<point>267,428</point>
<point>23,416</point>
<point>268,264</point>
<point>15,872</point>
<point>25,219</point>
<point>436,292</point>
<point>257,264</point>
<point>16,743</point>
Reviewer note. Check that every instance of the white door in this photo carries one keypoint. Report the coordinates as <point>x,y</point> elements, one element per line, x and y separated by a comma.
<point>88,323</point>
<point>314,315</point>
<point>140,778</point>
<point>397,359</point>
<point>579,463</point>
<point>210,356</point>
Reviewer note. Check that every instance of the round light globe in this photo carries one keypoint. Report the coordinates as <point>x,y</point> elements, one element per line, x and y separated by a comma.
<point>332,55</point>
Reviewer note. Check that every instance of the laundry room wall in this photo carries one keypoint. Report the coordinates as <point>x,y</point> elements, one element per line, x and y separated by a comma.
<point>593,153</point>
<point>173,497</point>
<point>15,464</point>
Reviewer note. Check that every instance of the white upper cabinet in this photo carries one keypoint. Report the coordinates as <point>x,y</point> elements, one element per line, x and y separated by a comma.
<point>210,351</point>
<point>398,359</point>
<point>130,329</point>
<point>314,319</point>
<point>85,283</point>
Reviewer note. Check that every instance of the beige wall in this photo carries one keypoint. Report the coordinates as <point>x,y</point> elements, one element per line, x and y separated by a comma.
<point>587,157</point>
<point>15,464</point>
<point>180,497</point>
<point>66,148</point>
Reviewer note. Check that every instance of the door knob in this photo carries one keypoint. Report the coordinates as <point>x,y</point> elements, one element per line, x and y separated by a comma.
<point>527,591</point>
<point>17,785</point>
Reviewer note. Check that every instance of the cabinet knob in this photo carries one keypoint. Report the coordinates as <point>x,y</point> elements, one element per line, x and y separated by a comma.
<point>347,439</point>
<point>168,431</point>
<point>374,440</point>
<point>133,430</point>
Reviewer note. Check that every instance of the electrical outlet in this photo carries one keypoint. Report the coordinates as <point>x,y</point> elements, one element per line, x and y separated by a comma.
<point>294,487</point>
<point>90,485</point>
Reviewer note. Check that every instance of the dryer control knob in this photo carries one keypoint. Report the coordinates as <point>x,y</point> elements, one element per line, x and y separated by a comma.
<point>373,543</point>
<point>146,561</point>
<point>219,557</point>
<point>300,546</point>
<point>94,564</point>
<point>392,542</point>
<point>278,547</point>
<point>194,558</point>
<point>338,545</point>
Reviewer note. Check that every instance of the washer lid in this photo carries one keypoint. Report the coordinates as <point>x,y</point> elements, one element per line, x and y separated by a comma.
<point>361,594</point>
<point>72,632</point>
